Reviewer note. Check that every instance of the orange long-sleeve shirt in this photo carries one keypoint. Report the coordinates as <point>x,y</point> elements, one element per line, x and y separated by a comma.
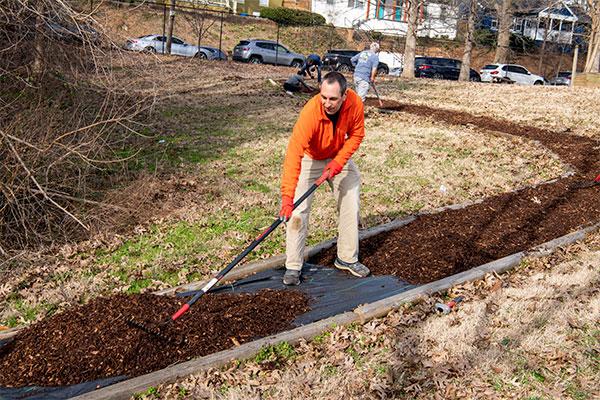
<point>313,135</point>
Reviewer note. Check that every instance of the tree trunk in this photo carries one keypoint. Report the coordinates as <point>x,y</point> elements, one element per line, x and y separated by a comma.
<point>504,23</point>
<point>543,49</point>
<point>410,46</point>
<point>593,56</point>
<point>37,65</point>
<point>170,27</point>
<point>465,68</point>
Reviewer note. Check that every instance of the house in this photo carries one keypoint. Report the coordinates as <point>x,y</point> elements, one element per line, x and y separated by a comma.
<point>560,23</point>
<point>252,7</point>
<point>388,16</point>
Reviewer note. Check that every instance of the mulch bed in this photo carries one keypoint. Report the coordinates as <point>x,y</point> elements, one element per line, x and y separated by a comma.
<point>435,246</point>
<point>438,245</point>
<point>95,341</point>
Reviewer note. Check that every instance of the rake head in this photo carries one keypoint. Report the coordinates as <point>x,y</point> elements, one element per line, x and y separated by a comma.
<point>156,330</point>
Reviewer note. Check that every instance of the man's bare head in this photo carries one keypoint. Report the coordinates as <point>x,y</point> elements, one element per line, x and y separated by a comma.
<point>333,92</point>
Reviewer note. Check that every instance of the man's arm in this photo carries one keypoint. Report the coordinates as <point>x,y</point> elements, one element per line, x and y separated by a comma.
<point>301,135</point>
<point>354,59</point>
<point>375,61</point>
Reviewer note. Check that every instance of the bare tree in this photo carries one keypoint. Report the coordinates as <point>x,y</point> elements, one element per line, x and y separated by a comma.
<point>465,68</point>
<point>200,23</point>
<point>504,10</point>
<point>410,46</point>
<point>62,118</point>
<point>592,60</point>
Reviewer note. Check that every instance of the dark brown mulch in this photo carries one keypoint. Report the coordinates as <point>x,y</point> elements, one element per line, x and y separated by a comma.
<point>95,341</point>
<point>438,245</point>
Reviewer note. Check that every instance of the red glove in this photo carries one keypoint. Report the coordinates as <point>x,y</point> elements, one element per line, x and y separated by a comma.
<point>332,168</point>
<point>287,206</point>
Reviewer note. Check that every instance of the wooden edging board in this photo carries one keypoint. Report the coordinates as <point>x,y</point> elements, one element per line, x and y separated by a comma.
<point>362,314</point>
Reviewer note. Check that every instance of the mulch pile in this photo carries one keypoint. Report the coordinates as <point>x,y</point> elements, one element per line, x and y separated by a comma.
<point>95,341</point>
<point>438,245</point>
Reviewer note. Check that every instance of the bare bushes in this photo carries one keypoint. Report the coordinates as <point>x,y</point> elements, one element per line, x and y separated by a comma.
<point>63,119</point>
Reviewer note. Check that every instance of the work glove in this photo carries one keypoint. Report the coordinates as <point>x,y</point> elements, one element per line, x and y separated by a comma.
<point>332,169</point>
<point>287,206</point>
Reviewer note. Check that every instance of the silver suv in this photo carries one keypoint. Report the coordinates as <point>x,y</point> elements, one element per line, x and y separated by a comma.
<point>258,51</point>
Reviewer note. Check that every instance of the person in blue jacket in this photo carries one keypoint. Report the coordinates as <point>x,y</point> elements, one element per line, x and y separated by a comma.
<point>365,69</point>
<point>313,61</point>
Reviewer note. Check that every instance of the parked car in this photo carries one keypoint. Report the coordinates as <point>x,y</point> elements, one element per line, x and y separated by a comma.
<point>158,44</point>
<point>257,51</point>
<point>510,73</point>
<point>72,33</point>
<point>441,68</point>
<point>563,78</point>
<point>339,60</point>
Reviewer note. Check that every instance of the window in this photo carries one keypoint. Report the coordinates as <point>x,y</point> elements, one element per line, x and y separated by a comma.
<point>567,26</point>
<point>490,66</point>
<point>389,9</point>
<point>494,23</point>
<point>177,41</point>
<point>160,38</point>
<point>281,49</point>
<point>356,3</point>
<point>517,69</point>
<point>554,24</point>
<point>266,46</point>
<point>264,3</point>
<point>517,24</point>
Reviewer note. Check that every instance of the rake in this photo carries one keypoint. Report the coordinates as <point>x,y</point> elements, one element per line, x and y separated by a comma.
<point>377,94</point>
<point>157,330</point>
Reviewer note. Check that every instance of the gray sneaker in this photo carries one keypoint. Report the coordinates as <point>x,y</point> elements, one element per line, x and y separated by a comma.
<point>291,277</point>
<point>356,268</point>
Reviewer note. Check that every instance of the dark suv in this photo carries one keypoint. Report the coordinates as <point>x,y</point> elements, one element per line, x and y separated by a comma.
<point>441,68</point>
<point>339,60</point>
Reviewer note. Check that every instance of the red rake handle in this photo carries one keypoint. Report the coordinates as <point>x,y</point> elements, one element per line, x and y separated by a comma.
<point>248,249</point>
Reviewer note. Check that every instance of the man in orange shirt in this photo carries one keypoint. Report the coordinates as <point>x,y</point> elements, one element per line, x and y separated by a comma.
<point>330,128</point>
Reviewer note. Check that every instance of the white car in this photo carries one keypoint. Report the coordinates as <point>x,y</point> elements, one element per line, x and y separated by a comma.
<point>509,73</point>
<point>157,44</point>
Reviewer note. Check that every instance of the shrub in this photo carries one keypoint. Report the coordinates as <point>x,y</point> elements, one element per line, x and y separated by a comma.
<point>291,17</point>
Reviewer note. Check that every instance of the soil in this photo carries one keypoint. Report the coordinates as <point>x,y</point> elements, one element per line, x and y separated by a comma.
<point>96,341</point>
<point>438,245</point>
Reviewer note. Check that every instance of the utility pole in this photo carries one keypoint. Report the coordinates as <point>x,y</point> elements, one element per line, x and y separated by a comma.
<point>574,68</point>
<point>171,23</point>
<point>277,45</point>
<point>164,26</point>
<point>221,33</point>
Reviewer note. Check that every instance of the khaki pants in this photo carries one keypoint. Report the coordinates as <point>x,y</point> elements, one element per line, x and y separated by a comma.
<point>346,189</point>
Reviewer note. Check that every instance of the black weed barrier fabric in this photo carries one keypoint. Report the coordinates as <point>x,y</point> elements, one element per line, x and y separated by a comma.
<point>330,291</point>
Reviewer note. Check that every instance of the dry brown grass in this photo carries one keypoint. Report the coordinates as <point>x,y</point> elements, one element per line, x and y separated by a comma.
<point>557,108</point>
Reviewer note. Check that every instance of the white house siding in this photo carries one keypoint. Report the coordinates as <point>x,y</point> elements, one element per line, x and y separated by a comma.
<point>437,21</point>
